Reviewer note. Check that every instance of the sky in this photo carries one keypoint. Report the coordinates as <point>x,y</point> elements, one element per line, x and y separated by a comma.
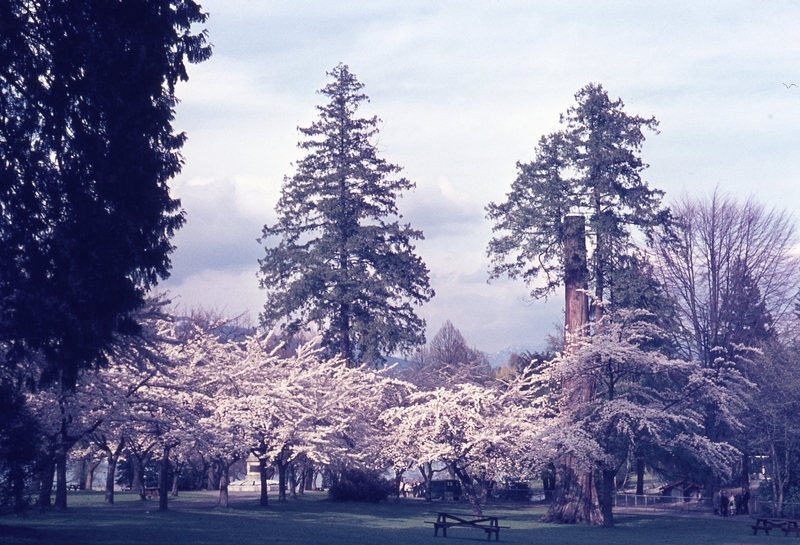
<point>464,91</point>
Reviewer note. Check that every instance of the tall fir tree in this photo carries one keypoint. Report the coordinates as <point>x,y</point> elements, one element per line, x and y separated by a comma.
<point>87,147</point>
<point>343,261</point>
<point>592,168</point>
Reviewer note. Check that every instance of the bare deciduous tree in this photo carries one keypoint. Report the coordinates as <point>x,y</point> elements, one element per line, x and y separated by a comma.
<point>720,254</point>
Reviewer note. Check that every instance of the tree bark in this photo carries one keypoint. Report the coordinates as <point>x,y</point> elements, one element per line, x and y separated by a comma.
<point>138,477</point>
<point>468,488</point>
<point>608,499</point>
<point>176,475</point>
<point>426,469</point>
<point>47,478</point>
<point>745,470</point>
<point>110,473</point>
<point>639,476</point>
<point>91,467</point>
<point>281,478</point>
<point>61,477</point>
<point>163,481</point>
<point>292,469</point>
<point>264,499</point>
<point>575,495</point>
<point>310,482</point>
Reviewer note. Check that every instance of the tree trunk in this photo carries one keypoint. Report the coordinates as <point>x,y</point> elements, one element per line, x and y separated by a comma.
<point>639,476</point>
<point>112,470</point>
<point>608,499</point>
<point>292,480</point>
<point>398,482</point>
<point>281,478</point>
<point>213,477</point>
<point>163,480</point>
<point>17,477</point>
<point>47,478</point>
<point>175,478</point>
<point>138,478</point>
<point>426,470</point>
<point>745,470</point>
<point>262,470</point>
<point>61,477</point>
<point>575,495</point>
<point>82,472</point>
<point>310,482</point>
<point>223,485</point>
<point>344,325</point>
<point>91,467</point>
<point>468,488</point>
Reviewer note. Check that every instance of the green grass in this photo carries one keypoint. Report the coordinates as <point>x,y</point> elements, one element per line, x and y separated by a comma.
<point>193,519</point>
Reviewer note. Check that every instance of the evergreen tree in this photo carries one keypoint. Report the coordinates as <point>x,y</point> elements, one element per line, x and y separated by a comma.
<point>592,168</point>
<point>344,263</point>
<point>86,151</point>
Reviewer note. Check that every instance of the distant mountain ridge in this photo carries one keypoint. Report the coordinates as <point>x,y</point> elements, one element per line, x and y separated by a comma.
<point>500,358</point>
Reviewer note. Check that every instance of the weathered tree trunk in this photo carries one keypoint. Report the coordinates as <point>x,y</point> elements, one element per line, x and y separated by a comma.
<point>163,481</point>
<point>47,477</point>
<point>639,476</point>
<point>575,495</point>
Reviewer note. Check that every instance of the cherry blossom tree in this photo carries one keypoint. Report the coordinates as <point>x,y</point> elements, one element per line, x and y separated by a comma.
<point>476,431</point>
<point>640,397</point>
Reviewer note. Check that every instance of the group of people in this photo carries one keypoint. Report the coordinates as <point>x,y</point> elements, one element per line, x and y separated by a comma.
<point>732,504</point>
<point>412,488</point>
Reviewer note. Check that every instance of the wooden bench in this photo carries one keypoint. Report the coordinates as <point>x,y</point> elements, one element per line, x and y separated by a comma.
<point>488,524</point>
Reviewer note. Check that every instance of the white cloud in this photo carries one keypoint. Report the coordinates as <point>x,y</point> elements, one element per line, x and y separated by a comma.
<point>465,90</point>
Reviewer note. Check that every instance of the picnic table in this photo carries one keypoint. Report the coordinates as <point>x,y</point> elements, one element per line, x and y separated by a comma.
<point>488,524</point>
<point>767,524</point>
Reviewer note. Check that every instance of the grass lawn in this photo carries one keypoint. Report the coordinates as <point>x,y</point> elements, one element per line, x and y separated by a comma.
<point>193,520</point>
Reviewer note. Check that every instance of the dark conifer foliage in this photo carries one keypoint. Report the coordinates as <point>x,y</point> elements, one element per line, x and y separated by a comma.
<point>86,150</point>
<point>593,168</point>
<point>343,261</point>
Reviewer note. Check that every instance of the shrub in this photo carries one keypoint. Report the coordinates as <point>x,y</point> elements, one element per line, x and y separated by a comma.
<point>360,485</point>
